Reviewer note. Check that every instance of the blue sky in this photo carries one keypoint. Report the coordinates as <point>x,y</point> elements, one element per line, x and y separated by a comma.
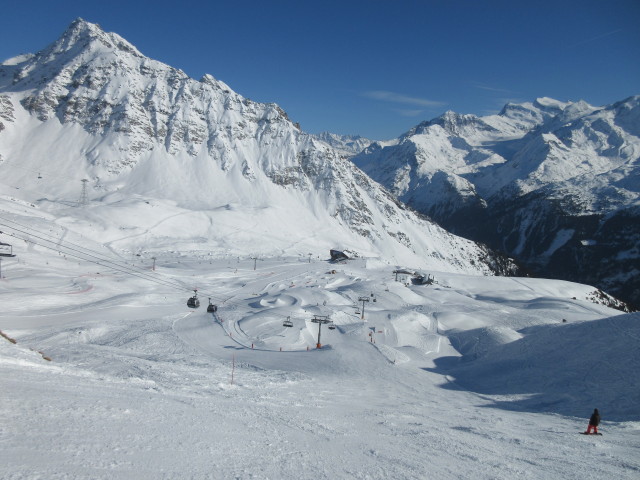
<point>369,67</point>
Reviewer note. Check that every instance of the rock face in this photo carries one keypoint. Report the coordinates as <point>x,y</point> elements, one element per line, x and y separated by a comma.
<point>102,82</point>
<point>91,106</point>
<point>347,145</point>
<point>554,184</point>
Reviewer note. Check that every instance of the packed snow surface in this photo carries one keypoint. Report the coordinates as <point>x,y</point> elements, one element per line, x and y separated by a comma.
<point>470,377</point>
<point>105,373</point>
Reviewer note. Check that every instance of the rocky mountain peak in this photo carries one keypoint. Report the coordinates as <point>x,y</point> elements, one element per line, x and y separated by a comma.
<point>82,34</point>
<point>347,145</point>
<point>81,42</point>
<point>139,127</point>
<point>549,175</point>
<point>574,111</point>
<point>456,123</point>
<point>550,105</point>
<point>452,124</point>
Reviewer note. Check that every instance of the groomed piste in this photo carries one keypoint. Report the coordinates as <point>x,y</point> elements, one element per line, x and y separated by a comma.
<point>471,376</point>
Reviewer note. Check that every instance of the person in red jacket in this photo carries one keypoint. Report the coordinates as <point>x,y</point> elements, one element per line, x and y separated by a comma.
<point>594,421</point>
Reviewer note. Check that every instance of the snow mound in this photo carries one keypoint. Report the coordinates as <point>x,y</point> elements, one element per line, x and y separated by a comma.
<point>569,368</point>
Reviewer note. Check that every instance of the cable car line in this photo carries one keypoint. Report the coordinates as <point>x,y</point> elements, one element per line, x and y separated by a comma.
<point>98,262</point>
<point>99,256</point>
<point>99,259</point>
<point>61,247</point>
<point>87,252</point>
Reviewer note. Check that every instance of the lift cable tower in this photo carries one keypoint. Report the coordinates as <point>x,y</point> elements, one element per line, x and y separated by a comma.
<point>365,300</point>
<point>83,196</point>
<point>320,320</point>
<point>255,261</point>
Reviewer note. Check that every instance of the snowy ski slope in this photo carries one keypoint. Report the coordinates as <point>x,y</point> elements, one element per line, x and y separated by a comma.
<point>140,386</point>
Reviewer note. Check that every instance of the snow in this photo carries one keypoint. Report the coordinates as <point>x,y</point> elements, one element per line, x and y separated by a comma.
<point>17,59</point>
<point>106,374</point>
<point>526,147</point>
<point>139,386</point>
<point>191,163</point>
<point>562,237</point>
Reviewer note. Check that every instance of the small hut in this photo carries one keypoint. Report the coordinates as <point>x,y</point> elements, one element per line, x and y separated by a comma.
<point>337,255</point>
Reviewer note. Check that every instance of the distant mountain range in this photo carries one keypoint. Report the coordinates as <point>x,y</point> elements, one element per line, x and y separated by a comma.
<point>169,162</point>
<point>554,184</point>
<point>348,145</point>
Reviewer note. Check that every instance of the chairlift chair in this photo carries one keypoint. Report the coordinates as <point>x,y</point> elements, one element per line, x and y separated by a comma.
<point>287,322</point>
<point>6,250</point>
<point>193,302</point>
<point>331,326</point>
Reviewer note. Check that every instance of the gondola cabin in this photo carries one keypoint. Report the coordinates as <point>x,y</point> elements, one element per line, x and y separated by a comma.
<point>211,308</point>
<point>193,302</point>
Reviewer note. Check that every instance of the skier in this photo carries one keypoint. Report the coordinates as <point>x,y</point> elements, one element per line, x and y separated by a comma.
<point>594,421</point>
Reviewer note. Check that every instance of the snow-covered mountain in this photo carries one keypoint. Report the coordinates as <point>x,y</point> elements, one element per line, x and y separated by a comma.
<point>555,184</point>
<point>199,167</point>
<point>124,184</point>
<point>347,145</point>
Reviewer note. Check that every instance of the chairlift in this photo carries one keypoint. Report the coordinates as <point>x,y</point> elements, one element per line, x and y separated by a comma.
<point>331,326</point>
<point>287,322</point>
<point>39,176</point>
<point>193,302</point>
<point>357,312</point>
<point>211,308</point>
<point>6,250</point>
